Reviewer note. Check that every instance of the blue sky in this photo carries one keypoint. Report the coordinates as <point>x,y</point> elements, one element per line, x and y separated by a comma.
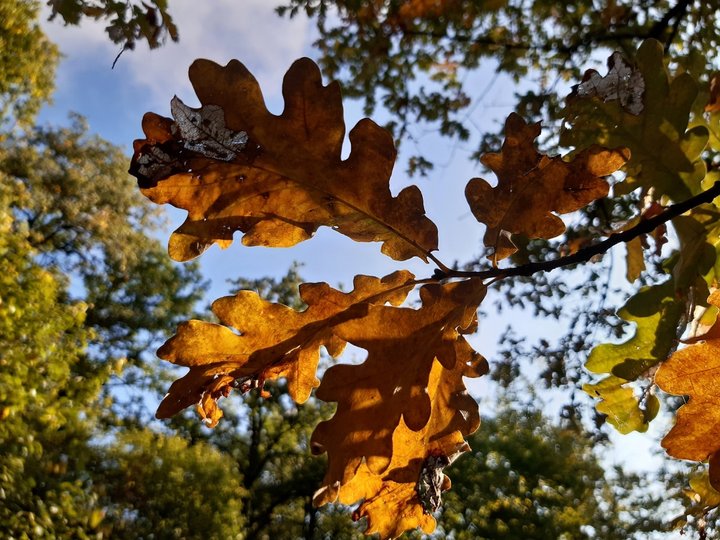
<point>143,80</point>
<point>114,100</point>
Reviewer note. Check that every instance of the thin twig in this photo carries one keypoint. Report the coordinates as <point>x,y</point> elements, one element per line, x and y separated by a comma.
<point>585,254</point>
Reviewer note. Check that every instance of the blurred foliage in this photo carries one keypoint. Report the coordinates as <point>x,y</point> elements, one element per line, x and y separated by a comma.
<point>158,485</point>
<point>45,384</point>
<point>527,477</point>
<point>419,54</point>
<point>27,64</point>
<point>128,21</point>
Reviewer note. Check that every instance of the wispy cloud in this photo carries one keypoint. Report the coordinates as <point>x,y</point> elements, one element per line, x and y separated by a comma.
<point>216,29</point>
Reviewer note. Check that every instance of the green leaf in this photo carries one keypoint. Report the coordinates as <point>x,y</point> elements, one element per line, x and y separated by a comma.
<point>656,315</point>
<point>619,403</point>
<point>696,256</point>
<point>665,154</point>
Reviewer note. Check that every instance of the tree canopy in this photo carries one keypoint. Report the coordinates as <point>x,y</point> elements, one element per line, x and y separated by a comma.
<point>86,288</point>
<point>233,166</point>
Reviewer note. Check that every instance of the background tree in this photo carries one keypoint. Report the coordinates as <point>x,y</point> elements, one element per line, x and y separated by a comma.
<point>69,213</point>
<point>527,477</point>
<point>44,377</point>
<point>420,54</point>
<point>27,64</point>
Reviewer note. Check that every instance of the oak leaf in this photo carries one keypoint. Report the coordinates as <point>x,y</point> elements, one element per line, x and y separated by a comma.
<point>665,154</point>
<point>412,377</point>
<point>234,166</point>
<point>656,315</point>
<point>270,341</point>
<point>408,492</point>
<point>531,186</point>
<point>695,372</point>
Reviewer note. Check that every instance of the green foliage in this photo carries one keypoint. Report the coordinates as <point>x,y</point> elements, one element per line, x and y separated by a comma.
<point>47,388</point>
<point>665,155</point>
<point>27,63</point>
<point>159,485</point>
<point>528,478</point>
<point>128,22</point>
<point>76,204</point>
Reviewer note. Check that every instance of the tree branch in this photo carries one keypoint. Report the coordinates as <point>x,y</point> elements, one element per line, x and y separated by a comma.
<point>585,254</point>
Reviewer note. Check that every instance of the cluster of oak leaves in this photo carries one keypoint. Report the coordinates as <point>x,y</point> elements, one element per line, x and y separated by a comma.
<point>403,414</point>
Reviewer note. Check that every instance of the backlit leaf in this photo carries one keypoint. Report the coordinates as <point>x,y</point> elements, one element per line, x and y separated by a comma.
<point>234,166</point>
<point>656,315</point>
<point>695,372</point>
<point>406,400</point>
<point>531,186</point>
<point>665,155</point>
<point>407,493</point>
<point>272,341</point>
<point>620,404</point>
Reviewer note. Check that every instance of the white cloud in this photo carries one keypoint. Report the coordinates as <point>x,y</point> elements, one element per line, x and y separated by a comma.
<point>216,29</point>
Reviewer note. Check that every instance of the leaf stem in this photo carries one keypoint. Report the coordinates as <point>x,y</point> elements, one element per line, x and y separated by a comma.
<point>585,254</point>
<point>442,268</point>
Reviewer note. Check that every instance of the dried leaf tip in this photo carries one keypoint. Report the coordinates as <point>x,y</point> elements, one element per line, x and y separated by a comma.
<point>204,131</point>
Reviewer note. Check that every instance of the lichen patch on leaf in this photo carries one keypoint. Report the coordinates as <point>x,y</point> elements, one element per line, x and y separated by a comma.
<point>623,82</point>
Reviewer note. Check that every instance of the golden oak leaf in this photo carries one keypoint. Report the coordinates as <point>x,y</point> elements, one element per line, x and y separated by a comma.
<point>398,385</point>
<point>531,186</point>
<point>695,371</point>
<point>405,495</point>
<point>272,341</point>
<point>234,166</point>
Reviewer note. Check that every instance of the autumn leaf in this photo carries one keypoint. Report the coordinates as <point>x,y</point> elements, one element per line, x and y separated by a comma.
<point>531,186</point>
<point>665,154</point>
<point>269,341</point>
<point>695,372</point>
<point>635,260</point>
<point>409,491</point>
<point>412,377</point>
<point>713,104</point>
<point>656,315</point>
<point>623,82</point>
<point>234,166</point>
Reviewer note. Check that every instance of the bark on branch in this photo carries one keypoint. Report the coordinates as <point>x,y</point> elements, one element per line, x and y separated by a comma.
<point>585,254</point>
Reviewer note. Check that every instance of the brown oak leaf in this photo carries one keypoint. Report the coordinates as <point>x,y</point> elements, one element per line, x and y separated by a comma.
<point>531,186</point>
<point>412,377</point>
<point>695,372</point>
<point>404,496</point>
<point>272,341</point>
<point>234,166</point>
